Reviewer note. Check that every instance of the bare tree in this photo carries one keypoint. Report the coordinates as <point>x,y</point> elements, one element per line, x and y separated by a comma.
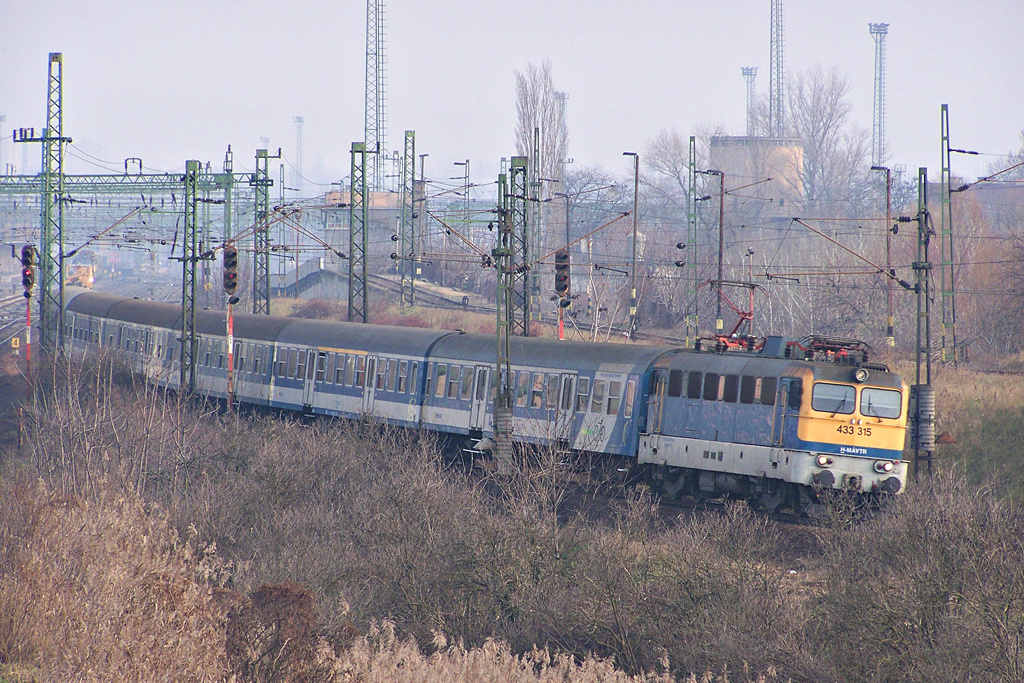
<point>540,107</point>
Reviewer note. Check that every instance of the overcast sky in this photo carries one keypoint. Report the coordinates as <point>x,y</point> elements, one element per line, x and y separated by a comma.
<point>180,79</point>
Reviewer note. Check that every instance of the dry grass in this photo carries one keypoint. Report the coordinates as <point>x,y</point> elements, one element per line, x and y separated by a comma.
<point>352,552</point>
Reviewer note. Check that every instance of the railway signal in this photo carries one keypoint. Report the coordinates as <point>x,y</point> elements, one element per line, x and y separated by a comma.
<point>230,269</point>
<point>562,272</point>
<point>28,269</point>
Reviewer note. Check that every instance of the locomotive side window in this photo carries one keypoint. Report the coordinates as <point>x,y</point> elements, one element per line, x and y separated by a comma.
<point>614,397</point>
<point>711,386</point>
<point>747,386</point>
<point>768,385</point>
<point>732,385</point>
<point>467,383</point>
<point>880,403</point>
<point>833,398</point>
<point>675,383</point>
<point>551,394</point>
<point>627,410</point>
<point>523,392</point>
<point>597,400</point>
<point>582,394</point>
<point>442,380</point>
<point>693,385</point>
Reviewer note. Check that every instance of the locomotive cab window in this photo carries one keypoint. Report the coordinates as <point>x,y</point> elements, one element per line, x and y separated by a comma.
<point>886,403</point>
<point>833,398</point>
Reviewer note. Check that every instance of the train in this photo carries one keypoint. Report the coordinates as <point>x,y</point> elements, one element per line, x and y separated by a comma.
<point>775,423</point>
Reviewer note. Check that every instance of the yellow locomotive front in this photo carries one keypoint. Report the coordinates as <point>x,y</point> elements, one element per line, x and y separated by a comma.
<point>852,420</point>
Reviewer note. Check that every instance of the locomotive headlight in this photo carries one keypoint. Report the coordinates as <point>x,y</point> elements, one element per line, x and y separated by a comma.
<point>824,461</point>
<point>860,375</point>
<point>883,466</point>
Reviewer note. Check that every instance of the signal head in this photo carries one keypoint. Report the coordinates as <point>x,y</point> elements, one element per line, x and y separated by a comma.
<point>28,255</point>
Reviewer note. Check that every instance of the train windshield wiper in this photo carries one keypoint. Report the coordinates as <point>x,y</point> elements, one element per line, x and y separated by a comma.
<point>842,404</point>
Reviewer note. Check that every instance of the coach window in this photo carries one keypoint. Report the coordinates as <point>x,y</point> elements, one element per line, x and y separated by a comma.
<point>257,357</point>
<point>351,362</point>
<point>467,383</point>
<point>442,380</point>
<point>494,377</point>
<point>597,400</point>
<point>321,366</point>
<point>582,394</point>
<point>299,364</point>
<point>768,385</point>
<point>523,390</point>
<point>413,376</point>
<point>453,382</point>
<point>711,386</point>
<point>747,386</point>
<point>614,397</point>
<point>537,392</point>
<point>339,369</point>
<point>693,385</point>
<point>833,398</point>
<point>551,393</point>
<point>403,375</point>
<point>732,385</point>
<point>627,410</point>
<point>392,374</point>
<point>382,369</point>
<point>360,370</point>
<point>675,383</point>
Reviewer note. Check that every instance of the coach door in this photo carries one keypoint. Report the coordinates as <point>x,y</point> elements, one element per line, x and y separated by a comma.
<point>369,383</point>
<point>564,414</point>
<point>478,411</point>
<point>315,362</point>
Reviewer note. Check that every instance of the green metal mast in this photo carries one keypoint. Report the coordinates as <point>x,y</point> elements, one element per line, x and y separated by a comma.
<point>534,222</point>
<point>947,271</point>
<point>922,394</point>
<point>692,326</point>
<point>261,235</point>
<point>189,257</point>
<point>407,223</point>
<point>506,314</point>
<point>517,208</point>
<point>357,236</point>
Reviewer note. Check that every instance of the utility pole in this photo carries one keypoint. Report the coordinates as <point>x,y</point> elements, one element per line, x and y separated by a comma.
<point>299,121</point>
<point>423,217</point>
<point>189,257</point>
<point>407,224</point>
<point>692,321</point>
<point>632,269</point>
<point>922,393</point>
<point>261,235</point>
<point>946,268</point>
<point>719,323</point>
<point>502,254</point>
<point>357,236</point>
<point>534,221</point>
<point>51,251</point>
<point>890,339</point>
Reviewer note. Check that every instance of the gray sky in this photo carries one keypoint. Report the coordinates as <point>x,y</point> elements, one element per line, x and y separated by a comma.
<point>179,79</point>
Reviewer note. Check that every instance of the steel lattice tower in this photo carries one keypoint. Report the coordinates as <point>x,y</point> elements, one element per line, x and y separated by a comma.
<point>261,234</point>
<point>879,150</point>
<point>534,220</point>
<point>517,189</point>
<point>189,258</point>
<point>375,122</point>
<point>51,252</point>
<point>298,154</point>
<point>357,236</point>
<point>749,74</point>
<point>407,223</point>
<point>777,74</point>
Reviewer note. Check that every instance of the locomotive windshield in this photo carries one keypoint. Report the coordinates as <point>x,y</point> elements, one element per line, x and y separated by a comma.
<point>833,398</point>
<point>880,403</point>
